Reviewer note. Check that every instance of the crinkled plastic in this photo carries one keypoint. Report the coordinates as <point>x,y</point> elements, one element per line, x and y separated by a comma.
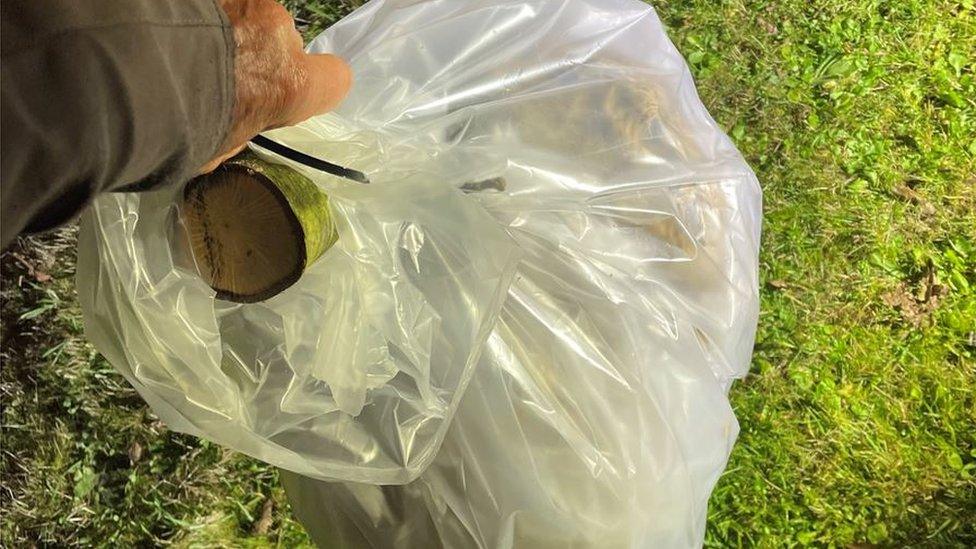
<point>354,372</point>
<point>539,361</point>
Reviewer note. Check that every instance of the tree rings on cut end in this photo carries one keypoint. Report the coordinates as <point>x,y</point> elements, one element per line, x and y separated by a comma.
<point>254,227</point>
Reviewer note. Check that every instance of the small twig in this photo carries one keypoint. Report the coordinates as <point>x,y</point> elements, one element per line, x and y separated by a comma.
<point>495,184</point>
<point>20,259</point>
<point>31,270</point>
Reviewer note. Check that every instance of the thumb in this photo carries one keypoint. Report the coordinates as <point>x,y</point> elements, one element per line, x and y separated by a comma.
<point>327,83</point>
<point>219,159</point>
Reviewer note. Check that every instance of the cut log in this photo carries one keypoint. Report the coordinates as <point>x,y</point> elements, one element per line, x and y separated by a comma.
<point>254,227</point>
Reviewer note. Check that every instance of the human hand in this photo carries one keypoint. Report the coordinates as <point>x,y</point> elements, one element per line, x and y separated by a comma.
<point>277,83</point>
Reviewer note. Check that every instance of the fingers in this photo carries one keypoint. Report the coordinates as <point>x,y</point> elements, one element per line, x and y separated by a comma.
<point>327,82</point>
<point>277,83</point>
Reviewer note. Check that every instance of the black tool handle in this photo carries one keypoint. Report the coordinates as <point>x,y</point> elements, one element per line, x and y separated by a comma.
<point>310,161</point>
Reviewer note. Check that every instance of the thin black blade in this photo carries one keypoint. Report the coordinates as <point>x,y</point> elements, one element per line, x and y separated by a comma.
<point>310,161</point>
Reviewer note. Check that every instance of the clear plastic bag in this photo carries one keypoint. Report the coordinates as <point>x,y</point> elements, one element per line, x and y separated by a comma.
<point>352,373</point>
<point>526,333</point>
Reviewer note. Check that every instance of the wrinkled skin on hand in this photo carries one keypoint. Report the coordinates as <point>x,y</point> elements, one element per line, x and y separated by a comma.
<point>277,83</point>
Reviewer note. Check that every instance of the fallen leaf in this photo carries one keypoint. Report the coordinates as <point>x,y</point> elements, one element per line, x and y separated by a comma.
<point>918,305</point>
<point>907,193</point>
<point>263,523</point>
<point>902,300</point>
<point>767,26</point>
<point>135,452</point>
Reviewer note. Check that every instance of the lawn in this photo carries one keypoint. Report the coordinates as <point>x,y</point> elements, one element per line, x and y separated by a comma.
<point>858,416</point>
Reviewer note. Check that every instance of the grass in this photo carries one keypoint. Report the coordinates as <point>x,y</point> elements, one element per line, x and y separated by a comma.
<point>859,414</point>
<point>84,462</point>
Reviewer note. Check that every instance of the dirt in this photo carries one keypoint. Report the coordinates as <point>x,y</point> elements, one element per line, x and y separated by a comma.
<point>917,304</point>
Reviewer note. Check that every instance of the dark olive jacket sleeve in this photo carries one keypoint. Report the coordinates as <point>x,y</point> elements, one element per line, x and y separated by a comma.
<point>99,95</point>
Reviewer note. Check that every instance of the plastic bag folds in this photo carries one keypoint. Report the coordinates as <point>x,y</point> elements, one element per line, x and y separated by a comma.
<point>526,332</point>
